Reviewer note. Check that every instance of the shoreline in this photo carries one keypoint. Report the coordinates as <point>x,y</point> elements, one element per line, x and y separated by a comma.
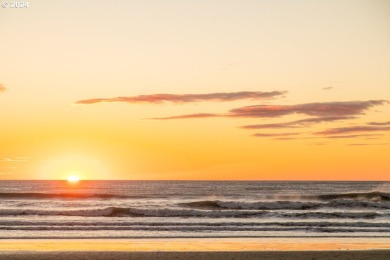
<point>196,244</point>
<point>197,249</point>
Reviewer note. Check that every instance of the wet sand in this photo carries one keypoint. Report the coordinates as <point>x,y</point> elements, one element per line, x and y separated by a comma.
<point>200,249</point>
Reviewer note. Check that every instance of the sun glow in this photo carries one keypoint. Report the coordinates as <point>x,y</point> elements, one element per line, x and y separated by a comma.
<point>73,178</point>
<point>62,167</point>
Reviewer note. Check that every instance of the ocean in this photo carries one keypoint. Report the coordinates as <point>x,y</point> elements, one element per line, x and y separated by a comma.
<point>193,209</point>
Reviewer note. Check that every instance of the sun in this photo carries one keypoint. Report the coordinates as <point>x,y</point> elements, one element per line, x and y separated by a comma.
<point>73,178</point>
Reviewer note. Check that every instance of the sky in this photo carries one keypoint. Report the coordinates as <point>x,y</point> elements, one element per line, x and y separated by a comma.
<point>195,90</point>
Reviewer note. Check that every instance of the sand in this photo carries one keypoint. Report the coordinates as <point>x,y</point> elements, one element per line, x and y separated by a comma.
<point>199,249</point>
<point>196,244</point>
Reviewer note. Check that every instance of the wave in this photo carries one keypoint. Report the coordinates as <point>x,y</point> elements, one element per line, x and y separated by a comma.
<point>172,212</point>
<point>216,204</point>
<point>343,215</point>
<point>196,229</point>
<point>358,224</point>
<point>283,205</point>
<point>281,201</point>
<point>38,212</point>
<point>38,195</point>
<point>374,196</point>
<point>364,196</point>
<point>358,204</point>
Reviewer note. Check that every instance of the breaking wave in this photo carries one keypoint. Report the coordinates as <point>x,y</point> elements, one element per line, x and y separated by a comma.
<point>284,205</point>
<point>194,213</point>
<point>364,196</point>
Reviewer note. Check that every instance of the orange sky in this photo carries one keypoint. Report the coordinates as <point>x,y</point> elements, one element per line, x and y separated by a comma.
<point>224,90</point>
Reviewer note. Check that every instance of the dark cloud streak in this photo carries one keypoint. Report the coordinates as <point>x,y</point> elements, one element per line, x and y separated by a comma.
<point>274,135</point>
<point>298,123</point>
<point>368,144</point>
<point>320,110</point>
<point>353,129</point>
<point>325,109</point>
<point>187,98</point>
<point>351,136</point>
<point>379,123</point>
<point>199,115</point>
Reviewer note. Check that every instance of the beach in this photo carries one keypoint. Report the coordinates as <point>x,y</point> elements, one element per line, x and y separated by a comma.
<point>271,248</point>
<point>212,220</point>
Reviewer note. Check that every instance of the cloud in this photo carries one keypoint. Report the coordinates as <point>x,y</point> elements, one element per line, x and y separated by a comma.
<point>327,88</point>
<point>379,123</point>
<point>187,98</point>
<point>299,123</point>
<point>367,144</point>
<point>15,159</point>
<point>199,115</point>
<point>286,138</point>
<point>356,144</point>
<point>274,135</point>
<point>323,110</point>
<point>93,101</point>
<point>2,88</point>
<point>353,129</point>
<point>351,136</point>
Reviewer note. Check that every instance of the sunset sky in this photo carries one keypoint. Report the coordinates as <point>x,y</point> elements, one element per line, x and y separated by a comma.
<point>217,89</point>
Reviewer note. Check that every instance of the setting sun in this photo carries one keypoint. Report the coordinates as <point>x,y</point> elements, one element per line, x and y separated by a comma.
<point>73,178</point>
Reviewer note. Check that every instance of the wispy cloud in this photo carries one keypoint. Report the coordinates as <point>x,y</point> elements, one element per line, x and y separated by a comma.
<point>2,88</point>
<point>14,159</point>
<point>351,136</point>
<point>299,123</point>
<point>323,110</point>
<point>187,98</point>
<point>285,138</point>
<point>319,112</point>
<point>379,123</point>
<point>274,135</point>
<point>365,144</point>
<point>199,115</point>
<point>353,129</point>
<point>5,162</point>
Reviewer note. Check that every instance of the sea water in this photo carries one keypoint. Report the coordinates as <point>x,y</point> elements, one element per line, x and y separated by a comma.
<point>186,209</point>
